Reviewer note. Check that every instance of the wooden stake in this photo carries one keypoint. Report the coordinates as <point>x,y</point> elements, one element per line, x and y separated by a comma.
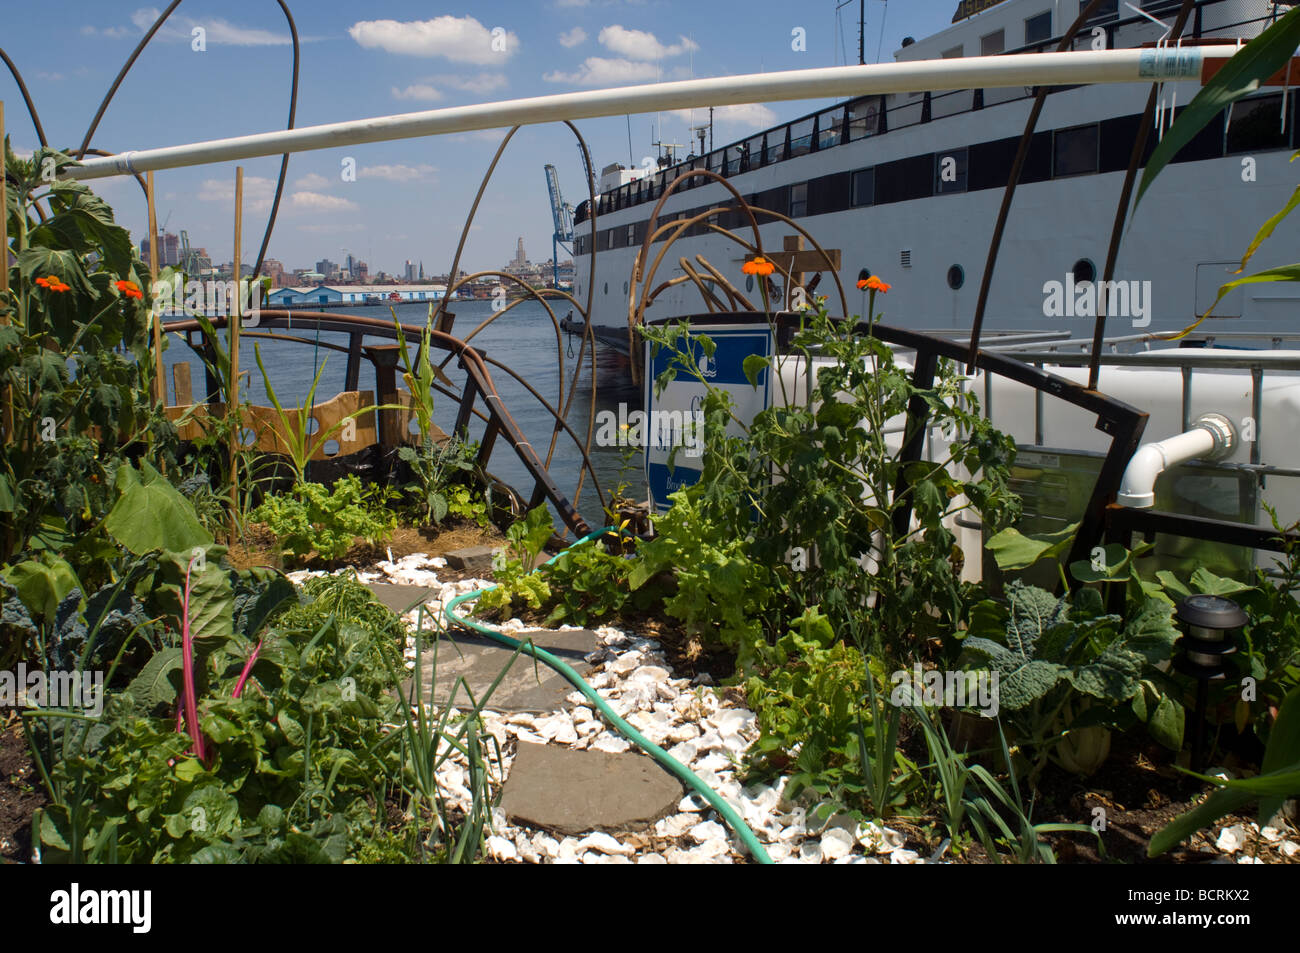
<point>7,423</point>
<point>159,386</point>
<point>4,208</point>
<point>233,318</point>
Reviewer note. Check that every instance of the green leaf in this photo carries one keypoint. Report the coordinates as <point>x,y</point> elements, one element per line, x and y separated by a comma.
<point>42,584</point>
<point>1266,230</point>
<point>1167,722</point>
<point>153,686</point>
<point>1013,550</point>
<point>1240,76</point>
<point>150,514</point>
<point>753,366</point>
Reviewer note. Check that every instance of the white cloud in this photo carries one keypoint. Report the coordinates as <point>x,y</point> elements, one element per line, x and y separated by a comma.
<point>420,92</point>
<point>640,45</point>
<point>754,115</point>
<point>478,83</point>
<point>571,38</point>
<point>217,31</point>
<point>573,3</point>
<point>317,202</point>
<point>459,39</point>
<point>332,228</point>
<point>258,192</point>
<point>601,71</point>
<point>112,32</point>
<point>312,180</point>
<point>397,173</point>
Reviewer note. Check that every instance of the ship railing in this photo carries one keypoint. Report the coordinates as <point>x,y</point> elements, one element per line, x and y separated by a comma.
<point>871,116</point>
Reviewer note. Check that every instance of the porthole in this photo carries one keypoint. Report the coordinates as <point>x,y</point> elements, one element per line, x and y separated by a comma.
<point>749,282</point>
<point>625,287</point>
<point>956,277</point>
<point>864,274</point>
<point>1084,270</point>
<point>607,287</point>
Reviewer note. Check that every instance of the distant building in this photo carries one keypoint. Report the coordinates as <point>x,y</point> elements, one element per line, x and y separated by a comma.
<point>521,260</point>
<point>327,268</point>
<point>408,270</point>
<point>169,250</point>
<point>274,269</point>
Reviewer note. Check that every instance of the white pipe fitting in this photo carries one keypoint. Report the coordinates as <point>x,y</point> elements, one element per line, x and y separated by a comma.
<point>1212,438</point>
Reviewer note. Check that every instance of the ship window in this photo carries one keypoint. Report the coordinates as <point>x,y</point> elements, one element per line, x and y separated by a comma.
<point>1084,270</point>
<point>953,54</point>
<point>799,200</point>
<point>864,187</point>
<point>754,152</point>
<point>950,171</point>
<point>992,44</point>
<point>1038,28</point>
<point>1208,143</point>
<point>829,193</point>
<point>956,277</point>
<point>1109,10</point>
<point>1074,151</point>
<point>749,282</point>
<point>830,128</point>
<point>609,242</point>
<point>631,234</point>
<point>1117,137</point>
<point>905,179</point>
<point>775,147</point>
<point>774,200</point>
<point>1256,124</point>
<point>800,137</point>
<point>864,118</point>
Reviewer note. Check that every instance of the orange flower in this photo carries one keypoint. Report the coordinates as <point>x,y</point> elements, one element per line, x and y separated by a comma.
<point>875,284</point>
<point>53,283</point>
<point>758,266</point>
<point>130,289</point>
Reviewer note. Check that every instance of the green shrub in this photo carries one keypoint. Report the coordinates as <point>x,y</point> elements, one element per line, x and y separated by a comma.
<point>310,518</point>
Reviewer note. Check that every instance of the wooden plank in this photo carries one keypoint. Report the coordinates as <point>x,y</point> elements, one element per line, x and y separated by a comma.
<point>182,384</point>
<point>266,424</point>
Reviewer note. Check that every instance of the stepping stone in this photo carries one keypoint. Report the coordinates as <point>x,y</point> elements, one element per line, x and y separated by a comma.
<point>530,685</point>
<point>401,599</point>
<point>473,559</point>
<point>572,792</point>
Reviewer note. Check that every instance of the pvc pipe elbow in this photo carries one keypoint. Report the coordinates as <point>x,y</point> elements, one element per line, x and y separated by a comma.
<point>1212,438</point>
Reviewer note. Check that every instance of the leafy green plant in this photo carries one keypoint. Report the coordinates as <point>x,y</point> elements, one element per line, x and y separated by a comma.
<point>1278,779</point>
<point>1064,666</point>
<point>313,518</point>
<point>435,489</point>
<point>76,365</point>
<point>292,719</point>
<point>513,565</point>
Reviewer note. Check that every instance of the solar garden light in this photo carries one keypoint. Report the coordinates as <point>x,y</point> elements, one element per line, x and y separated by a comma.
<point>1207,622</point>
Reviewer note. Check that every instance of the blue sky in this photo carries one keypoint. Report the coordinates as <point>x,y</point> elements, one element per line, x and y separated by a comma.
<point>391,56</point>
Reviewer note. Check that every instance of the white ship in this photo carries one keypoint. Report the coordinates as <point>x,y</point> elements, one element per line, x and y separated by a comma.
<point>908,186</point>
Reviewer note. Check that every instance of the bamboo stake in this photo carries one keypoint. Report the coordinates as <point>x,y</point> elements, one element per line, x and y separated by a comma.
<point>159,386</point>
<point>7,423</point>
<point>232,333</point>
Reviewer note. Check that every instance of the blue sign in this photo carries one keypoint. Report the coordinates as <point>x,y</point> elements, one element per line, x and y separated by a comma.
<point>675,417</point>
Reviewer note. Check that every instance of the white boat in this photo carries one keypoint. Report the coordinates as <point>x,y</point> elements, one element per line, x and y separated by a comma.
<point>908,186</point>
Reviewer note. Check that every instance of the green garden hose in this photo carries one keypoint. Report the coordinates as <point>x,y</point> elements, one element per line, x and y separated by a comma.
<point>725,810</point>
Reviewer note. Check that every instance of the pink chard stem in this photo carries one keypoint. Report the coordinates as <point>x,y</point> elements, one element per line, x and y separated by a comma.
<point>248,669</point>
<point>187,655</point>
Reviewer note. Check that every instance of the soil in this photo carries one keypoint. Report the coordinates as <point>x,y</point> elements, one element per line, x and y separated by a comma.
<point>1138,789</point>
<point>21,793</point>
<point>258,547</point>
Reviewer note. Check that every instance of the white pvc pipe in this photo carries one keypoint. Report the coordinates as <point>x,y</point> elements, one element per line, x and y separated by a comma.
<point>1212,438</point>
<point>1022,69</point>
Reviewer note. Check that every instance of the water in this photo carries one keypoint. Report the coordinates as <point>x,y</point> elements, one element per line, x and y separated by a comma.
<point>523,339</point>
